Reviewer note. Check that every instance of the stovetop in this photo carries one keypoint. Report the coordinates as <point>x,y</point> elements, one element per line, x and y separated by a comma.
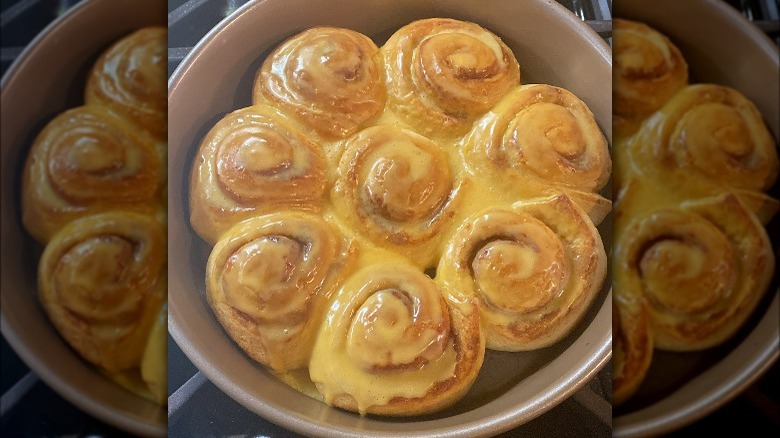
<point>196,406</point>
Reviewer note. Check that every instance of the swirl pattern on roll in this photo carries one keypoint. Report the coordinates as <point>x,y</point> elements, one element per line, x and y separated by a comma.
<point>632,344</point>
<point>392,344</point>
<point>540,134</point>
<point>329,78</point>
<point>130,77</point>
<point>101,281</point>
<point>649,70</point>
<point>84,161</point>
<point>443,73</point>
<point>268,279</point>
<point>535,269</point>
<point>397,187</point>
<point>254,161</point>
<point>714,249</point>
<point>708,132</point>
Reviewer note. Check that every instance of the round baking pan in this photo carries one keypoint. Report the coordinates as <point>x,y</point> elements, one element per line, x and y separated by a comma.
<point>552,46</point>
<point>47,78</point>
<point>721,47</point>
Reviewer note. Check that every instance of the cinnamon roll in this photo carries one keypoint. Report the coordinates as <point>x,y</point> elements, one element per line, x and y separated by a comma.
<point>392,343</point>
<point>539,136</point>
<point>88,160</point>
<point>251,162</point>
<point>535,268</point>
<point>397,187</point>
<point>329,78</point>
<point>101,281</point>
<point>632,344</point>
<point>130,77</point>
<point>268,280</point>
<point>715,250</point>
<point>649,70</point>
<point>707,133</point>
<point>442,74</point>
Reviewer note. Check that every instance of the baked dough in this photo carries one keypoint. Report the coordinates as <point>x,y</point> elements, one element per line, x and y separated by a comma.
<point>392,343</point>
<point>397,188</point>
<point>101,283</point>
<point>702,267</point>
<point>269,279</point>
<point>535,269</point>
<point>442,74</point>
<point>337,273</point>
<point>88,160</point>
<point>329,78</point>
<point>254,161</point>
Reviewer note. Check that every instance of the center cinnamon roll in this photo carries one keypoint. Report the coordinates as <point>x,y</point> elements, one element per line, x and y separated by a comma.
<point>397,187</point>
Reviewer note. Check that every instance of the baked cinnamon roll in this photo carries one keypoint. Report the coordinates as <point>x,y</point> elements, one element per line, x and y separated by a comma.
<point>702,267</point>
<point>397,187</point>
<point>130,77</point>
<point>101,281</point>
<point>539,136</point>
<point>268,280</point>
<point>649,70</point>
<point>442,74</point>
<point>329,78</point>
<point>251,162</point>
<point>707,133</point>
<point>393,343</point>
<point>89,160</point>
<point>535,268</point>
<point>632,344</point>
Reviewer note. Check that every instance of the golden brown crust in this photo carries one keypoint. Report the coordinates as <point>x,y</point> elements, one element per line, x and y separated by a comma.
<point>539,136</point>
<point>130,77</point>
<point>442,74</point>
<point>254,161</point>
<point>649,70</point>
<point>535,270</point>
<point>88,160</point>
<point>394,343</point>
<point>329,78</point>
<point>714,249</point>
<point>707,134</point>
<point>102,282</point>
<point>268,279</point>
<point>397,187</point>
